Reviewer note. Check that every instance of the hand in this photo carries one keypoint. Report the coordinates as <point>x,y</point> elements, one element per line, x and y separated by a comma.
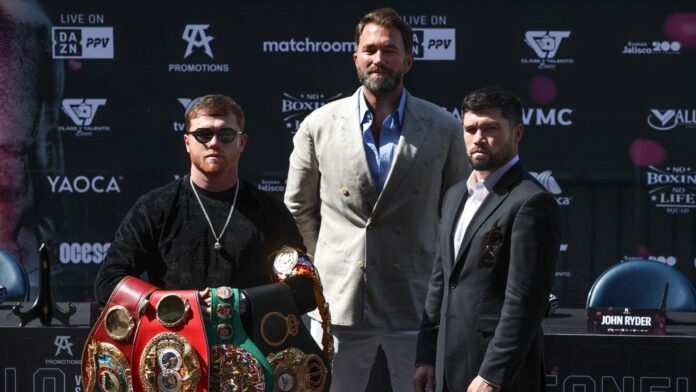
<point>480,385</point>
<point>205,301</point>
<point>424,378</point>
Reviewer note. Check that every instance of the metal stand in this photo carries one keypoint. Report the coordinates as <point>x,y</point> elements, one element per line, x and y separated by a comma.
<point>44,308</point>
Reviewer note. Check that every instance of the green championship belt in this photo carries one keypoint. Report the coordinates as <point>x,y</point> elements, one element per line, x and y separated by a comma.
<point>235,361</point>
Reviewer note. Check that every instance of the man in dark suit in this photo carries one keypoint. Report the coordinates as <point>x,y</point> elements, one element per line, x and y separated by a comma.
<point>499,240</point>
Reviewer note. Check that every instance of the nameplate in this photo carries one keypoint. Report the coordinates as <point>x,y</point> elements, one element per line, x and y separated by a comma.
<point>625,321</point>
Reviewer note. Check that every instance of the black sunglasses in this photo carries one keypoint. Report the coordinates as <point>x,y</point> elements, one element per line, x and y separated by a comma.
<point>224,135</point>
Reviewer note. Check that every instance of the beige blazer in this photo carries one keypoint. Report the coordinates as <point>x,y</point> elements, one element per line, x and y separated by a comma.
<point>374,252</point>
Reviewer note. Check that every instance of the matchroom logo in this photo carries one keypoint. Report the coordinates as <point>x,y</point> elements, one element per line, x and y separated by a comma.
<point>83,42</point>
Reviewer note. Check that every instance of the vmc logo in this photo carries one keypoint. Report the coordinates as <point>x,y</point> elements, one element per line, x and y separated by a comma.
<point>196,37</point>
<point>550,116</point>
<point>545,44</point>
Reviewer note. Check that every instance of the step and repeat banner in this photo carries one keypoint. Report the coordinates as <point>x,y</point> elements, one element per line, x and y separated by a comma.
<point>93,94</point>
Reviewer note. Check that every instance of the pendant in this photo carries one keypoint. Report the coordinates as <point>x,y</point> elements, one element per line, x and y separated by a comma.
<point>217,245</point>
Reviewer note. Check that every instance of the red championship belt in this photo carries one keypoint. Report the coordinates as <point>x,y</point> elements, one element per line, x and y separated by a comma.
<point>171,349</point>
<point>107,354</point>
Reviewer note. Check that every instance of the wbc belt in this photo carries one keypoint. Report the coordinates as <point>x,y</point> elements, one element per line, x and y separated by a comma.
<point>236,364</point>
<point>107,354</point>
<point>171,350</point>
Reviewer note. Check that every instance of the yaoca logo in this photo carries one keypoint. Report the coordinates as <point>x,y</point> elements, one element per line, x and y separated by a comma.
<point>83,252</point>
<point>664,120</point>
<point>84,184</point>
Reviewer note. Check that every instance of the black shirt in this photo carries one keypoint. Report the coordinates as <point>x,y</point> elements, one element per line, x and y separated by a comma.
<point>166,235</point>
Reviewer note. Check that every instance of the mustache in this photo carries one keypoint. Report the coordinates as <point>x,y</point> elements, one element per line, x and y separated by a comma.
<point>381,68</point>
<point>479,149</point>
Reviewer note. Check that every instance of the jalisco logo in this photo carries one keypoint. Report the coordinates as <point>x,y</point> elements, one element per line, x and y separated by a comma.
<point>83,252</point>
<point>672,189</point>
<point>434,44</point>
<point>549,182</point>
<point>549,116</point>
<point>271,185</point>
<point>666,119</point>
<point>83,42</point>
<point>197,37</point>
<point>84,184</point>
<point>81,112</point>
<point>295,109</point>
<point>652,48</point>
<point>545,44</point>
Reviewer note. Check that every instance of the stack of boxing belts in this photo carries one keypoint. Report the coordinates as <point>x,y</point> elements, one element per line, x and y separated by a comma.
<point>148,339</point>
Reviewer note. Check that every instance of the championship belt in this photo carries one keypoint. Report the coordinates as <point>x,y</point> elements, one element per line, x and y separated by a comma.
<point>107,354</point>
<point>290,262</point>
<point>236,364</point>
<point>171,351</point>
<point>297,361</point>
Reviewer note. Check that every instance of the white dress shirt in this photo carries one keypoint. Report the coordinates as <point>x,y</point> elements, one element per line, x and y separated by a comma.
<point>477,193</point>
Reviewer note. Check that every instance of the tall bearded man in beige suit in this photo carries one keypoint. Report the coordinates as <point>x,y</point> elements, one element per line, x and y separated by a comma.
<point>366,179</point>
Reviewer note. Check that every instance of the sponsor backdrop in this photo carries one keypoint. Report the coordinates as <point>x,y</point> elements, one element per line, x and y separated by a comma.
<point>609,94</point>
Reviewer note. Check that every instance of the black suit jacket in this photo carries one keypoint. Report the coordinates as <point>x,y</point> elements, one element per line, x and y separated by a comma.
<point>483,319</point>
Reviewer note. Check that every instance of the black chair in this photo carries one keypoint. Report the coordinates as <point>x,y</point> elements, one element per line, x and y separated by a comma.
<point>13,277</point>
<point>641,284</point>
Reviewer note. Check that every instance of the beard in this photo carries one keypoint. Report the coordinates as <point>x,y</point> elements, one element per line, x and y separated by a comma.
<point>380,85</point>
<point>205,166</point>
<point>492,161</point>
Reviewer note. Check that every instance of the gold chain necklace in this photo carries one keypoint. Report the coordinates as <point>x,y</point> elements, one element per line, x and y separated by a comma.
<point>217,245</point>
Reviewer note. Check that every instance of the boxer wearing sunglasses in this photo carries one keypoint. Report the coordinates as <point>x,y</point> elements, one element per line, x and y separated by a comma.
<point>208,228</point>
<point>224,135</point>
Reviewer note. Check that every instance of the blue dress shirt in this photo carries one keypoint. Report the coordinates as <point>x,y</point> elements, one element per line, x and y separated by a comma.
<point>380,158</point>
